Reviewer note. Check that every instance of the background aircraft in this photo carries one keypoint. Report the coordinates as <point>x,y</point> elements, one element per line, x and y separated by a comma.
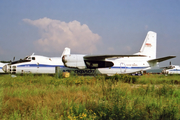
<point>122,64</point>
<point>171,69</point>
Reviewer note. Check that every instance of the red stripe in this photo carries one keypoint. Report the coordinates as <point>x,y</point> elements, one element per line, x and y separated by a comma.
<point>148,44</point>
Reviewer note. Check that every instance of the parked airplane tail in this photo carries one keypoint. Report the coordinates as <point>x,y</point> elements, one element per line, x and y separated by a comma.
<point>149,46</point>
<point>66,51</point>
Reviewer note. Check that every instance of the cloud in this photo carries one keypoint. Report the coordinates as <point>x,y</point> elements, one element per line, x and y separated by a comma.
<point>56,35</point>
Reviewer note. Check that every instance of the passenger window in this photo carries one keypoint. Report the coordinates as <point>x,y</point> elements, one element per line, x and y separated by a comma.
<point>95,65</point>
<point>88,63</point>
<point>33,58</point>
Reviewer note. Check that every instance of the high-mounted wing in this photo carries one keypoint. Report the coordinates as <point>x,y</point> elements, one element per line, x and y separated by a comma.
<point>91,61</point>
<point>161,59</point>
<point>98,61</point>
<point>103,57</point>
<point>168,67</point>
<point>153,62</point>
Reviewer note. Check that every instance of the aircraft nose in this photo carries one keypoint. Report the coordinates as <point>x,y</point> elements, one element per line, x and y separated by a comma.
<point>64,59</point>
<point>4,68</point>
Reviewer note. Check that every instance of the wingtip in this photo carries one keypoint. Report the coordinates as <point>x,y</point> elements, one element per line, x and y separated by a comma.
<point>173,56</point>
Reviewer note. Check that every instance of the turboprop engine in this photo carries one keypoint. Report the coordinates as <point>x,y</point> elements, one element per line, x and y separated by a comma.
<point>78,61</point>
<point>74,61</point>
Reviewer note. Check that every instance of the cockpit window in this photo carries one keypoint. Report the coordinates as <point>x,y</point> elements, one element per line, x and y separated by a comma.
<point>20,61</point>
<point>25,58</point>
<point>33,58</point>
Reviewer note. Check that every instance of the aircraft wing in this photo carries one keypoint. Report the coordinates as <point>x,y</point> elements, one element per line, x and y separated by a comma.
<point>103,57</point>
<point>98,61</point>
<point>166,67</point>
<point>161,59</point>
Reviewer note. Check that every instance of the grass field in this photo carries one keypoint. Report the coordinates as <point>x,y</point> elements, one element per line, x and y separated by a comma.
<point>118,97</point>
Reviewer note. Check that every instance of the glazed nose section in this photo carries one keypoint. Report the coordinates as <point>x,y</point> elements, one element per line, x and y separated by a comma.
<point>64,59</point>
<point>4,68</point>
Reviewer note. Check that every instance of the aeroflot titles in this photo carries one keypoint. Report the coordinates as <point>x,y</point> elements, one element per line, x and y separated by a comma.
<point>81,71</point>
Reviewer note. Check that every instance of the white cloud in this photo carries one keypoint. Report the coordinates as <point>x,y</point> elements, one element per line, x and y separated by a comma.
<point>56,35</point>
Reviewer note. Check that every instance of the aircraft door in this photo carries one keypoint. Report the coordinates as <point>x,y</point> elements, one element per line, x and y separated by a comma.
<point>37,65</point>
<point>122,68</point>
<point>37,69</point>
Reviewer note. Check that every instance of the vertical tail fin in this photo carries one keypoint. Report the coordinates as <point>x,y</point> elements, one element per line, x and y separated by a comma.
<point>149,46</point>
<point>66,51</point>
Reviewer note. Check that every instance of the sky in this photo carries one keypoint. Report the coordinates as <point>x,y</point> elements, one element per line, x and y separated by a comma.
<point>46,27</point>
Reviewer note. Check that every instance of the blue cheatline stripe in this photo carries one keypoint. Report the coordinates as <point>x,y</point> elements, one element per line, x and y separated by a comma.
<point>62,66</point>
<point>175,70</point>
<point>129,67</point>
<point>0,67</point>
<point>40,65</point>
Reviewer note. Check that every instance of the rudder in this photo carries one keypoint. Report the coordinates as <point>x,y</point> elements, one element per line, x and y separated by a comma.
<point>149,46</point>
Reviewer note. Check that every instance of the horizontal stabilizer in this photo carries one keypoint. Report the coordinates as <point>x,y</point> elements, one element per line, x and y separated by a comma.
<point>102,57</point>
<point>161,59</point>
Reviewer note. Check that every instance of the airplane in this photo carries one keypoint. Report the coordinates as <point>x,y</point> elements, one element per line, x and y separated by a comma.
<point>120,64</point>
<point>90,64</point>
<point>171,69</point>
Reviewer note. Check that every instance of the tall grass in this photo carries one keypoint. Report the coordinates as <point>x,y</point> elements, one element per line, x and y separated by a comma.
<point>77,97</point>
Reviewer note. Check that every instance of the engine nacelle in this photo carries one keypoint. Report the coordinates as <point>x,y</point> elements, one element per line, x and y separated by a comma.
<point>74,61</point>
<point>77,61</point>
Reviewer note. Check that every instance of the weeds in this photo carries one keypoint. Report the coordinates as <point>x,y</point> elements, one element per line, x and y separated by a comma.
<point>77,97</point>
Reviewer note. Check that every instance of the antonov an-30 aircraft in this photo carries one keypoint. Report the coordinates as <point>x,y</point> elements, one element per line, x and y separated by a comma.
<point>91,64</point>
<point>123,64</point>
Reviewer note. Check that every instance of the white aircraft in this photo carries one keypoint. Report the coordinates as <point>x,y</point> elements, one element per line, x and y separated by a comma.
<point>122,64</point>
<point>90,64</point>
<point>171,69</point>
